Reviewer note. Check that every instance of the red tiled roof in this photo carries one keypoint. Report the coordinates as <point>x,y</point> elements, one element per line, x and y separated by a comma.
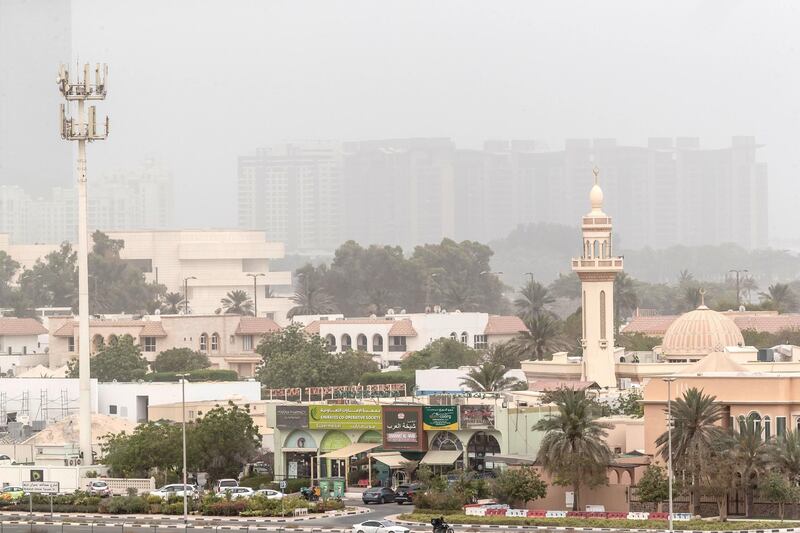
<point>150,328</point>
<point>504,325</point>
<point>313,328</point>
<point>249,325</point>
<point>153,328</point>
<point>21,326</point>
<point>657,325</point>
<point>654,326</point>
<point>403,328</point>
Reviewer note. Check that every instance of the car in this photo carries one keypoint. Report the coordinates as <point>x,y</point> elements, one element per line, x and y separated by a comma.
<point>405,493</point>
<point>6,460</point>
<point>270,494</point>
<point>223,484</point>
<point>378,495</point>
<point>98,488</point>
<point>176,490</point>
<point>379,526</point>
<point>11,493</point>
<point>238,492</point>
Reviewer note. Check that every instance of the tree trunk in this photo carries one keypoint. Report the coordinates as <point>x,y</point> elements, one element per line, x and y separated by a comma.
<point>660,506</point>
<point>722,504</point>
<point>780,511</point>
<point>577,490</point>
<point>694,498</point>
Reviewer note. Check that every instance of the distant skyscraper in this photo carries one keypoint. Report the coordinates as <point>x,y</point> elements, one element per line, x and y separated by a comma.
<point>35,37</point>
<point>293,193</point>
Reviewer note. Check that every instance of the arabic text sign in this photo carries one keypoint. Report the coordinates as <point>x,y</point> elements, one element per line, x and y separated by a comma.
<point>344,417</point>
<point>44,487</point>
<point>402,428</point>
<point>477,417</point>
<point>440,418</point>
<point>291,416</point>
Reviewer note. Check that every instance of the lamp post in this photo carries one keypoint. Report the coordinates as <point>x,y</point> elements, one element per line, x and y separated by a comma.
<point>669,443</point>
<point>183,428</point>
<point>186,294</point>
<point>738,291</point>
<point>255,293</point>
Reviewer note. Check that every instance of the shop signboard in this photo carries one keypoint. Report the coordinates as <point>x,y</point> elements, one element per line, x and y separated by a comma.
<point>345,417</point>
<point>291,416</point>
<point>477,417</point>
<point>440,418</point>
<point>402,428</point>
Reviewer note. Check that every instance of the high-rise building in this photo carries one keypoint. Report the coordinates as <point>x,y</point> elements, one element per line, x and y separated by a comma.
<point>35,37</point>
<point>293,193</point>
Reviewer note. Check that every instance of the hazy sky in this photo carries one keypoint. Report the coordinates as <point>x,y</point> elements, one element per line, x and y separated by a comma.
<point>197,83</point>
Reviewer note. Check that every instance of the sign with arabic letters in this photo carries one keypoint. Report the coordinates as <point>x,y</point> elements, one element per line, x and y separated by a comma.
<point>402,428</point>
<point>440,418</point>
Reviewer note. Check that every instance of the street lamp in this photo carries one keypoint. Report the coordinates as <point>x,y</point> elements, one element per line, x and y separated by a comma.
<point>669,443</point>
<point>183,424</point>
<point>738,291</point>
<point>255,292</point>
<point>186,294</point>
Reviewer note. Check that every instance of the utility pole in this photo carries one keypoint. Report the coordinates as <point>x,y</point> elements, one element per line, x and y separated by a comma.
<point>669,440</point>
<point>83,128</point>
<point>183,438</point>
<point>255,292</point>
<point>738,289</point>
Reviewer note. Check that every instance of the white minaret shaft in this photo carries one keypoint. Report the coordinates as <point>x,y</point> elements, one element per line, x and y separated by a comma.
<point>597,268</point>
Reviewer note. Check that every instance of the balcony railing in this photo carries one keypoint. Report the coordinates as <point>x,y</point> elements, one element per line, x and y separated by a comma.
<point>615,262</point>
<point>397,348</point>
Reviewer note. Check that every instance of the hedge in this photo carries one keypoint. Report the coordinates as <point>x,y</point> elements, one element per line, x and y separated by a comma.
<point>205,374</point>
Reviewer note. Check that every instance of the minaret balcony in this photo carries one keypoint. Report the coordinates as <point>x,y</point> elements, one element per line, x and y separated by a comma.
<point>605,264</point>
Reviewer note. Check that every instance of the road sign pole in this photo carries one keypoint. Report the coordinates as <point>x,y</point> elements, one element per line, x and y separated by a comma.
<point>30,502</point>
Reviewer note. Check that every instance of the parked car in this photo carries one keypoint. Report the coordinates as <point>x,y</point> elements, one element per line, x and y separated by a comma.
<point>270,494</point>
<point>11,493</point>
<point>238,492</point>
<point>378,495</point>
<point>379,526</point>
<point>6,460</point>
<point>406,493</point>
<point>176,490</point>
<point>98,488</point>
<point>223,484</point>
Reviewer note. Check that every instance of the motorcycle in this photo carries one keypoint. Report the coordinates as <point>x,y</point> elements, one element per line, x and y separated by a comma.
<point>440,526</point>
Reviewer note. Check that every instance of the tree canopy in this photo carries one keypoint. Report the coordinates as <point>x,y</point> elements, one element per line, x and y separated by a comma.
<point>442,353</point>
<point>180,360</point>
<point>119,360</point>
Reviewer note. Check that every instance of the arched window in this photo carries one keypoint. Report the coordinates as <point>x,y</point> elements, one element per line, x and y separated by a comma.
<point>604,253</point>
<point>767,428</point>
<point>113,339</point>
<point>97,343</point>
<point>446,441</point>
<point>756,418</point>
<point>361,342</point>
<point>587,250</point>
<point>204,342</point>
<point>464,337</point>
<point>596,251</point>
<point>331,340</point>
<point>215,342</point>
<point>347,342</point>
<point>377,343</point>
<point>454,336</point>
<point>602,314</point>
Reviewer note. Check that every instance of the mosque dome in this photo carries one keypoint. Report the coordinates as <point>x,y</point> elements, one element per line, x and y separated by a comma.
<point>701,332</point>
<point>596,198</point>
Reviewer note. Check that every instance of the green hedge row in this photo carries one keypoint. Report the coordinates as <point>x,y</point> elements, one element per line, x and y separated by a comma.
<point>206,374</point>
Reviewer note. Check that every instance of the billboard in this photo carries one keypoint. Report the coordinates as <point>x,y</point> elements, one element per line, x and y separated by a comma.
<point>291,416</point>
<point>477,417</point>
<point>402,428</point>
<point>345,417</point>
<point>440,418</point>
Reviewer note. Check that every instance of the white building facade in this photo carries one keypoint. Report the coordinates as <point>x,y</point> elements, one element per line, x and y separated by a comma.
<point>20,344</point>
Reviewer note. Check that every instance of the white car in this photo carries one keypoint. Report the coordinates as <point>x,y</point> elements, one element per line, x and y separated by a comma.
<point>379,526</point>
<point>224,484</point>
<point>238,492</point>
<point>175,490</point>
<point>270,494</point>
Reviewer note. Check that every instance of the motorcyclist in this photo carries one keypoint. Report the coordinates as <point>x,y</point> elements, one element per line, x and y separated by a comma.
<point>440,526</point>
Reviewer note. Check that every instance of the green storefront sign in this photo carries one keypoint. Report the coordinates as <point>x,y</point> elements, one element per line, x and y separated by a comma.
<point>345,417</point>
<point>440,418</point>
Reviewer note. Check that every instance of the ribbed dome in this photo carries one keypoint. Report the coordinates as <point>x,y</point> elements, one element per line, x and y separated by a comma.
<point>596,198</point>
<point>701,332</point>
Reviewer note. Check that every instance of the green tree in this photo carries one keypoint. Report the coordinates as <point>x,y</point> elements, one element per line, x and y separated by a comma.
<point>532,300</point>
<point>637,342</point>
<point>694,435</point>
<point>8,269</point>
<point>749,451</point>
<point>490,377</point>
<point>442,353</point>
<point>237,303</point>
<point>310,297</point>
<point>517,487</point>
<point>53,280</point>
<point>776,489</point>
<point>574,448</point>
<point>626,298</point>
<point>119,360</point>
<point>566,286</point>
<point>784,456</point>
<point>719,476</point>
<point>180,360</point>
<point>153,448</point>
<point>542,338</point>
<point>173,302</point>
<point>223,441</point>
<point>502,353</point>
<point>629,404</point>
<point>654,486</point>
<point>779,297</point>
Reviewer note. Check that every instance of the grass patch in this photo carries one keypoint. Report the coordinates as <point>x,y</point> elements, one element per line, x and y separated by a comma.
<point>693,525</point>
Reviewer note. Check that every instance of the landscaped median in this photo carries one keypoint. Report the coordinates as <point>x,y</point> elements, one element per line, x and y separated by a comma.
<point>601,523</point>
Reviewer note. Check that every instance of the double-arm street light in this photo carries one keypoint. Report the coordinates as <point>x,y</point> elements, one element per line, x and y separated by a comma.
<point>255,292</point>
<point>669,381</point>
<point>183,427</point>
<point>186,294</point>
<point>738,286</point>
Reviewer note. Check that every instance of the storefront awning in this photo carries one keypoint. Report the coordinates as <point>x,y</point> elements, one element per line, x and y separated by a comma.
<point>350,450</point>
<point>439,457</point>
<point>390,459</point>
<point>299,450</point>
<point>511,459</point>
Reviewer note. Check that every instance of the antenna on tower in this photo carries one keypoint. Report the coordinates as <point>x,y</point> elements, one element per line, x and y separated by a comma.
<point>596,172</point>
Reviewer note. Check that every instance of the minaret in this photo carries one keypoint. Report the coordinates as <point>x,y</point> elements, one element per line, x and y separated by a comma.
<point>597,267</point>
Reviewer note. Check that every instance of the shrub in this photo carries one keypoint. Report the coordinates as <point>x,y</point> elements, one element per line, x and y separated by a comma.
<point>124,505</point>
<point>447,500</point>
<point>206,374</point>
<point>292,485</point>
<point>223,507</point>
<point>262,481</point>
<point>327,505</point>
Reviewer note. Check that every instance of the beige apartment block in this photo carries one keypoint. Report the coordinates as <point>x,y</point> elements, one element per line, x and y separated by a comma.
<point>228,340</point>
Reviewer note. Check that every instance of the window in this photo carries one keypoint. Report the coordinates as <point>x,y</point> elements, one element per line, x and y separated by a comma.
<point>204,342</point>
<point>767,428</point>
<point>480,341</point>
<point>377,343</point>
<point>112,409</point>
<point>361,342</point>
<point>331,340</point>
<point>464,337</point>
<point>454,335</point>
<point>347,342</point>
<point>215,342</point>
<point>71,344</point>
<point>756,418</point>
<point>149,344</point>
<point>780,426</point>
<point>602,314</point>
<point>247,343</point>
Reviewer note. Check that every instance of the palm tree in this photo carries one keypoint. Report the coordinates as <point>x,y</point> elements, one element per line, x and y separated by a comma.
<point>310,298</point>
<point>783,454</point>
<point>748,286</point>
<point>750,456</point>
<point>173,301</point>
<point>237,303</point>
<point>542,338</point>
<point>489,377</point>
<point>685,278</point>
<point>779,297</point>
<point>574,448</point>
<point>533,298</point>
<point>626,300</point>
<point>693,437</point>
<point>691,297</point>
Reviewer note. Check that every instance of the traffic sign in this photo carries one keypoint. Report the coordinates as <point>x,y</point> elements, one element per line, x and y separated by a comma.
<point>41,487</point>
<point>283,484</point>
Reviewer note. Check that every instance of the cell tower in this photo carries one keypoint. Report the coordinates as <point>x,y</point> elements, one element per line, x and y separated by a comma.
<point>82,129</point>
